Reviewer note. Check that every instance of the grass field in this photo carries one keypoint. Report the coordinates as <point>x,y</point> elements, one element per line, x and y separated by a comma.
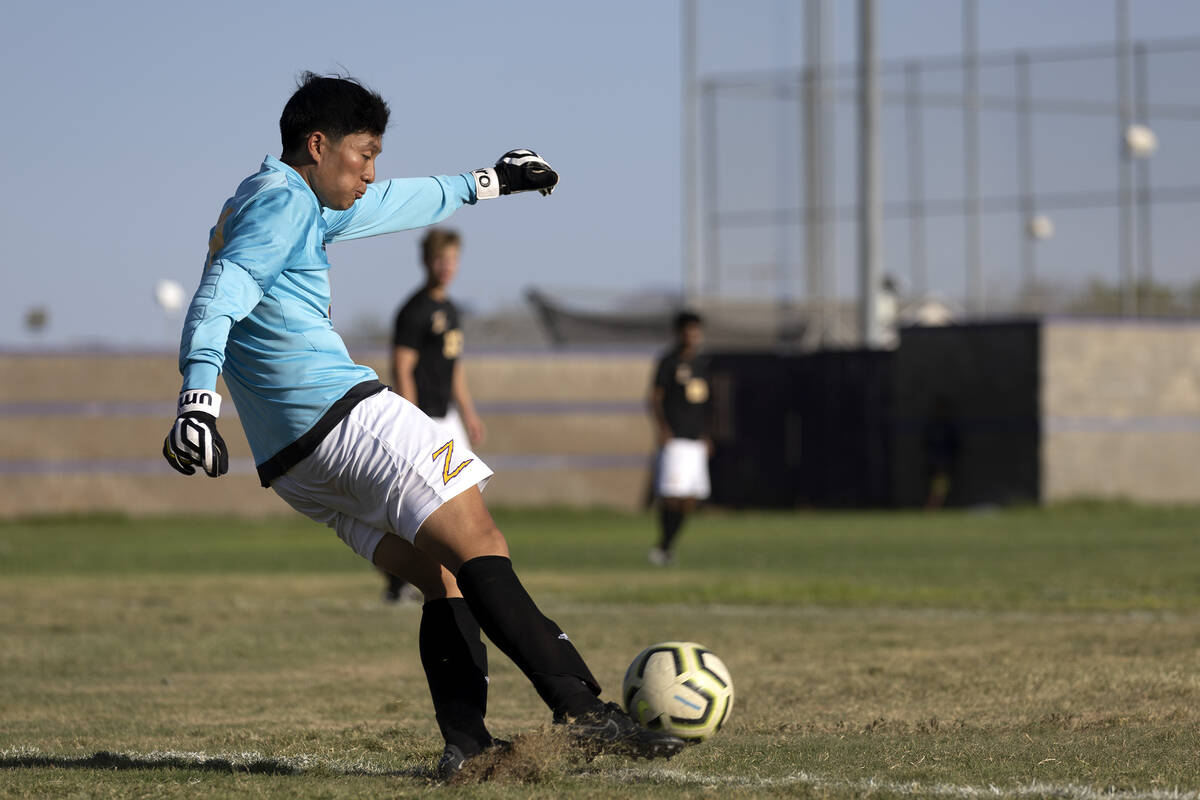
<point>1026,653</point>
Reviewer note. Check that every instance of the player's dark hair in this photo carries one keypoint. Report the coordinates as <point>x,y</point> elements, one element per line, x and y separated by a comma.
<point>685,318</point>
<point>335,106</point>
<point>437,240</point>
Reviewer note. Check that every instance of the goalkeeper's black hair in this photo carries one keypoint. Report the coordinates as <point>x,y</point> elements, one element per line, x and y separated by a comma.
<point>685,318</point>
<point>334,105</point>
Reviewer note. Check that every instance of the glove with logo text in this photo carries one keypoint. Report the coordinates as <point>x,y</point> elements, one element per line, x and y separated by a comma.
<point>193,440</point>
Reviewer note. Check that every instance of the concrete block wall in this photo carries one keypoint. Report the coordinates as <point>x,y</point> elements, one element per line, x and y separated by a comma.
<point>1054,409</point>
<point>1050,410</point>
<point>1120,408</point>
<point>83,433</point>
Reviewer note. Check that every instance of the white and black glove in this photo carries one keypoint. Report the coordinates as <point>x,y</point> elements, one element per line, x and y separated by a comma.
<point>516,171</point>
<point>193,440</point>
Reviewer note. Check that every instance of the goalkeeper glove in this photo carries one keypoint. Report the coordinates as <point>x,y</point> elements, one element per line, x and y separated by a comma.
<point>193,440</point>
<point>516,171</point>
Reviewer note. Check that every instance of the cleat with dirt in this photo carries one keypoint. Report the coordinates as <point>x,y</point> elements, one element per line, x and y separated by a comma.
<point>454,758</point>
<point>608,729</point>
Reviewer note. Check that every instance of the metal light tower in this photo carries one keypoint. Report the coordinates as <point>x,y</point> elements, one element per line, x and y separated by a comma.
<point>818,160</point>
<point>1125,243</point>
<point>691,203</point>
<point>870,209</point>
<point>971,177</point>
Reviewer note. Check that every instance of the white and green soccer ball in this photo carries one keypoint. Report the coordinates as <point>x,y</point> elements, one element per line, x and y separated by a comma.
<point>680,688</point>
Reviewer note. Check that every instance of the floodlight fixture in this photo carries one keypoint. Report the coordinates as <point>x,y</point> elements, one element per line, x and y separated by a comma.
<point>1040,227</point>
<point>1140,141</point>
<point>169,295</point>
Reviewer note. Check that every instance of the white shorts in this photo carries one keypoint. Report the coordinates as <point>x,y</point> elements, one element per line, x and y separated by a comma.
<point>683,469</point>
<point>383,469</point>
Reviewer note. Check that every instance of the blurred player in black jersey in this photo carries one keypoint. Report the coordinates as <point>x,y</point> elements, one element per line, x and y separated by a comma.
<point>426,344</point>
<point>679,405</point>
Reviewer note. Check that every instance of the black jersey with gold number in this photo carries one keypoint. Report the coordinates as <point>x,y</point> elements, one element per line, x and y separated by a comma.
<point>431,328</point>
<point>685,394</point>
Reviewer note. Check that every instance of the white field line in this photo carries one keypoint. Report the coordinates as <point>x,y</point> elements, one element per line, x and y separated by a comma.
<point>1066,791</point>
<point>881,612</point>
<point>300,764</point>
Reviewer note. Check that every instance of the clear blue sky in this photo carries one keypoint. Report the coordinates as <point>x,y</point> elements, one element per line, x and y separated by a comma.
<point>129,123</point>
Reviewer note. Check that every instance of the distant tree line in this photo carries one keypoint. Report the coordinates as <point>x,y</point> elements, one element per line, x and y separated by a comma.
<point>1102,298</point>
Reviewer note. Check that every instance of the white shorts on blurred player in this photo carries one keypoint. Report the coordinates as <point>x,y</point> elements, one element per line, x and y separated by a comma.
<point>383,469</point>
<point>683,469</point>
<point>453,424</point>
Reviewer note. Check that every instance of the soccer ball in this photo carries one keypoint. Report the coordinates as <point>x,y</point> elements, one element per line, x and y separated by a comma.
<point>680,688</point>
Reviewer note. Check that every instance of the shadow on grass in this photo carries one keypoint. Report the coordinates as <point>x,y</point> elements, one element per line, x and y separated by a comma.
<point>247,764</point>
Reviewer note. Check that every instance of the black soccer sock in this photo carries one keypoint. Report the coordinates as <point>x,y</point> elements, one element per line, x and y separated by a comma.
<point>455,662</point>
<point>535,643</point>
<point>671,521</point>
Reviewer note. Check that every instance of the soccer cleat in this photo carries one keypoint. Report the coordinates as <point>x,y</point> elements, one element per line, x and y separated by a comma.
<point>660,558</point>
<point>453,758</point>
<point>451,762</point>
<point>608,729</point>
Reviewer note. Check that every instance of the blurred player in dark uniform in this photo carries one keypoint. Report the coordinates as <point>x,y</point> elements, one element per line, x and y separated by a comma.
<point>426,344</point>
<point>942,443</point>
<point>679,405</point>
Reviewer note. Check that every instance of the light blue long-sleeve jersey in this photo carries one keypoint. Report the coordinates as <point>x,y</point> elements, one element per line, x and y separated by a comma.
<point>261,313</point>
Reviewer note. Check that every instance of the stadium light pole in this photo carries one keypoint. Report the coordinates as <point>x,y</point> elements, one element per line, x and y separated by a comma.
<point>1125,243</point>
<point>1024,152</point>
<point>1144,207</point>
<point>784,93</point>
<point>918,269</point>
<point>971,179</point>
<point>712,241</point>
<point>690,128</point>
<point>870,211</point>
<point>817,161</point>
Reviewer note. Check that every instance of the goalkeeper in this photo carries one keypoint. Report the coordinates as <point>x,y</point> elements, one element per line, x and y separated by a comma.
<point>342,449</point>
